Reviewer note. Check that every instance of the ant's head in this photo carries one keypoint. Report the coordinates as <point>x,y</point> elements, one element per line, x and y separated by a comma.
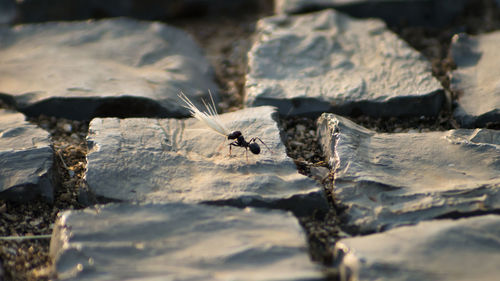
<point>234,135</point>
<point>254,147</point>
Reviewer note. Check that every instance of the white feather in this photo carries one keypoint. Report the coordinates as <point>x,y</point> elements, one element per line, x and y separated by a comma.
<point>209,118</point>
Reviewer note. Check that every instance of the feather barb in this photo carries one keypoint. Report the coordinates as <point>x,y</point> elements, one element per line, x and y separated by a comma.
<point>209,117</point>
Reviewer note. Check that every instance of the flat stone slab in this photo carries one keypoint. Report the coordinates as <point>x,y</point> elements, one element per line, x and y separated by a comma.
<point>408,12</point>
<point>476,79</point>
<point>465,249</point>
<point>326,61</point>
<point>25,159</point>
<point>172,160</point>
<point>115,67</point>
<point>386,180</point>
<point>180,242</point>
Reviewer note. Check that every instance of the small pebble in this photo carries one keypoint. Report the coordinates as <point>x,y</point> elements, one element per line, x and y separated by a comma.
<point>309,155</point>
<point>36,221</point>
<point>319,173</point>
<point>45,125</point>
<point>67,128</point>
<point>65,197</point>
<point>10,217</point>
<point>296,143</point>
<point>300,128</point>
<point>11,250</point>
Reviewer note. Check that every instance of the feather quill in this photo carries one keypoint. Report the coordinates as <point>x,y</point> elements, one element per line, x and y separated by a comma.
<point>209,117</point>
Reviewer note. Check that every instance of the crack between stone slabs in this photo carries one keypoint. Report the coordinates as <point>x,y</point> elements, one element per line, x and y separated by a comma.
<point>460,215</point>
<point>71,183</point>
<point>298,133</point>
<point>86,108</point>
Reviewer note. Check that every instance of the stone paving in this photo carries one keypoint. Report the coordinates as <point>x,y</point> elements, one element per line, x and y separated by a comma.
<point>182,209</point>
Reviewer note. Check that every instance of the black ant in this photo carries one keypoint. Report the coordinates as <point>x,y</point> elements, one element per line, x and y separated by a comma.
<point>211,119</point>
<point>240,141</point>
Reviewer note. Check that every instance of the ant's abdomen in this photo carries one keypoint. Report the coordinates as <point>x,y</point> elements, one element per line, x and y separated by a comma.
<point>254,148</point>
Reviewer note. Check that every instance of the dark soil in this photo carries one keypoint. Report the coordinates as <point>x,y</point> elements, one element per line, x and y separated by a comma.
<point>226,41</point>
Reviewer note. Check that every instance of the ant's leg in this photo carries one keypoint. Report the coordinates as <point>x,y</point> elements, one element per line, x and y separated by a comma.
<point>231,144</point>
<point>257,138</point>
<point>246,153</point>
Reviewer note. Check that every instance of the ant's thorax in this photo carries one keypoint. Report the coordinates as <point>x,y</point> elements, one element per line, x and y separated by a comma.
<point>234,135</point>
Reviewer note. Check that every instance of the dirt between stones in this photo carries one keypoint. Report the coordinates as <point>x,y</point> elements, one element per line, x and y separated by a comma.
<point>226,42</point>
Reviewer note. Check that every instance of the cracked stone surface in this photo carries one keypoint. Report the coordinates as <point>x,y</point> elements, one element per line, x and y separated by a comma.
<point>115,67</point>
<point>25,159</point>
<point>409,12</point>
<point>326,61</point>
<point>180,242</point>
<point>465,249</point>
<point>172,160</point>
<point>476,79</point>
<point>387,180</point>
